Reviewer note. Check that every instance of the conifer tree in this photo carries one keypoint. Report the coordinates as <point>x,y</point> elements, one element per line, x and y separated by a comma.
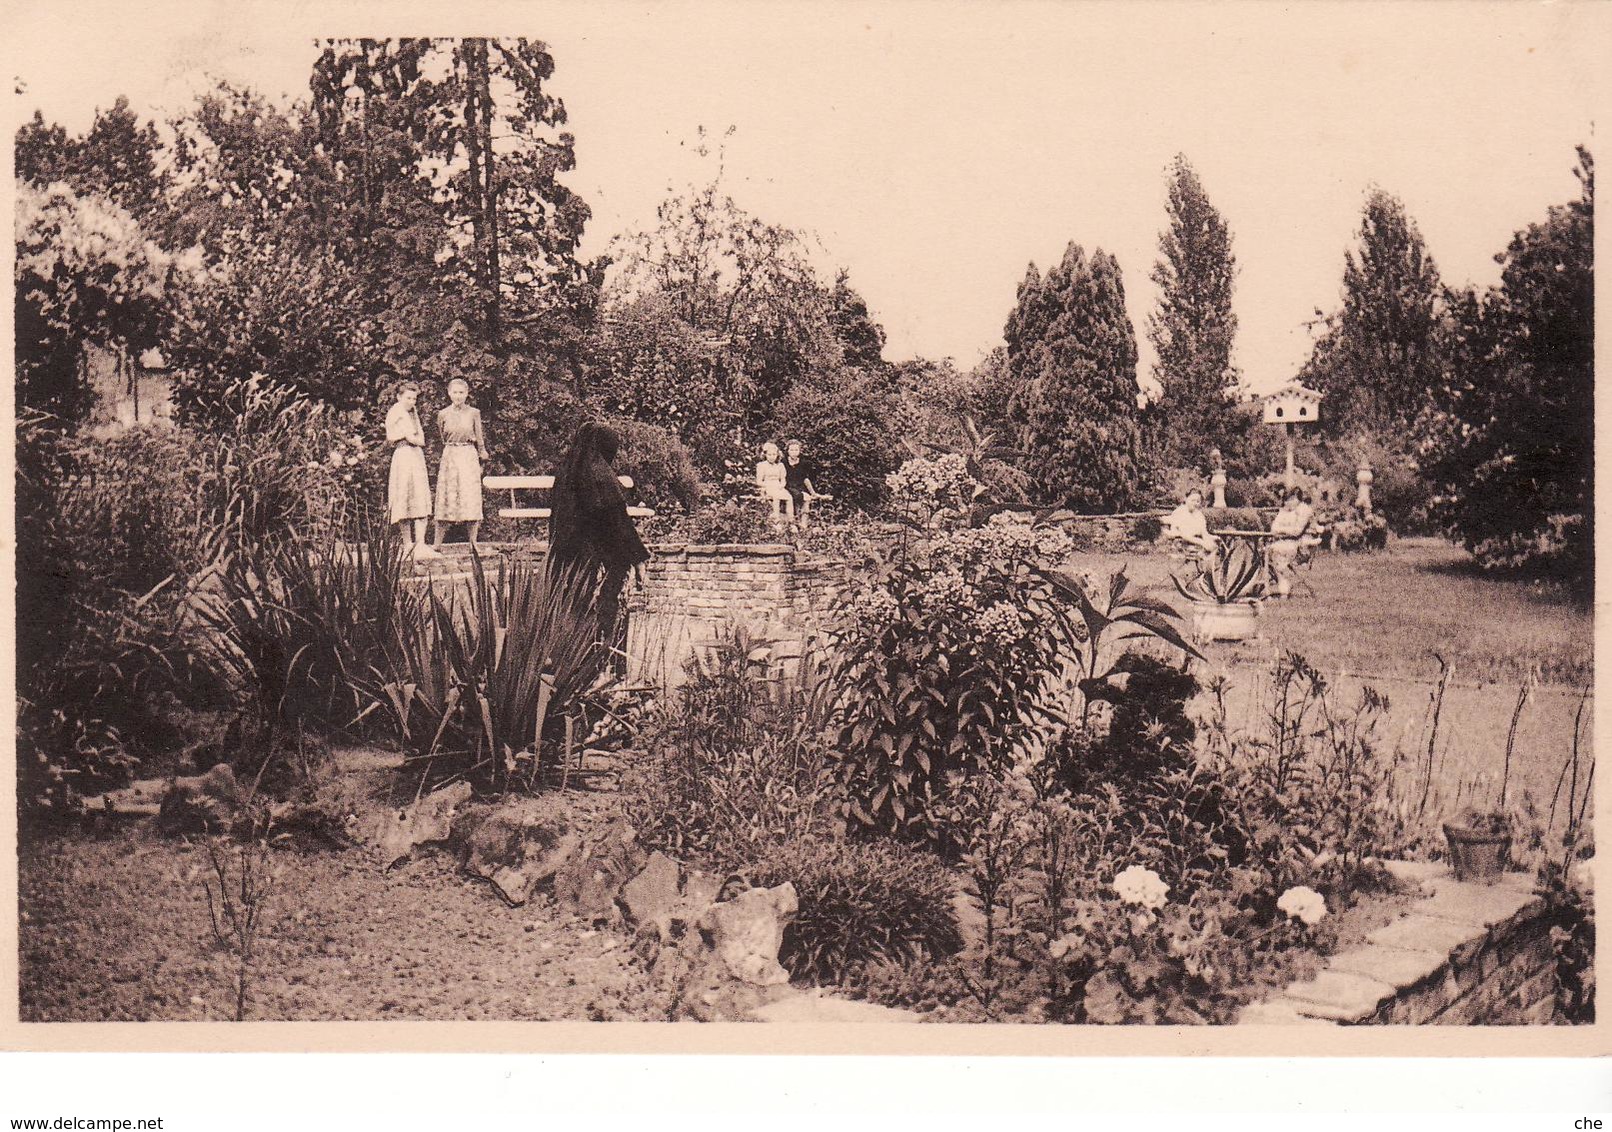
<point>1378,361</point>
<point>1193,327</point>
<point>1072,353</point>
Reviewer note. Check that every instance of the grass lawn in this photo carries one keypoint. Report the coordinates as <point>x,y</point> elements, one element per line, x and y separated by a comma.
<point>1378,619</point>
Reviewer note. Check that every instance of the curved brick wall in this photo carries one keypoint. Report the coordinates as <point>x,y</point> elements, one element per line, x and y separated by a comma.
<point>1461,955</point>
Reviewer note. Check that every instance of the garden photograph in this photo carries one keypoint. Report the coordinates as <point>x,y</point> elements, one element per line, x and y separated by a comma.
<point>983,515</point>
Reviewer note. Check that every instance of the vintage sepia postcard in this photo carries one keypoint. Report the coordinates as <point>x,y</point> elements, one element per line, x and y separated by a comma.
<point>861,528</point>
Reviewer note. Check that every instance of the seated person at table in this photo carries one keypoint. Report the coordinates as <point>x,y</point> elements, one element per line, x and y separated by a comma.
<point>772,482</point>
<point>1293,523</point>
<point>1187,525</point>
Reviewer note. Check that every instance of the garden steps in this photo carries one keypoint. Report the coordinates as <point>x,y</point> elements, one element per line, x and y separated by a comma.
<point>1461,954</point>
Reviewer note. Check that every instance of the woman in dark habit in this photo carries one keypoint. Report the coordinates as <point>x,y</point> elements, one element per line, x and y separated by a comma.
<point>590,532</point>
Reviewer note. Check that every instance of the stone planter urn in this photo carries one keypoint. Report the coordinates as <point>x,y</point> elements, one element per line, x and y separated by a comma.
<point>1217,481</point>
<point>1226,621</point>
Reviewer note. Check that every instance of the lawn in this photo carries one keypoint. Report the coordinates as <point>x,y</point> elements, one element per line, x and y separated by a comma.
<point>1378,619</point>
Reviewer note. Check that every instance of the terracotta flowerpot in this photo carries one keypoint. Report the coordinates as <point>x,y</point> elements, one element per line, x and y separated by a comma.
<point>1477,855</point>
<point>1231,621</point>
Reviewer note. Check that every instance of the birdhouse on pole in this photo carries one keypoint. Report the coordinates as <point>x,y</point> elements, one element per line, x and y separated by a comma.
<point>1291,405</point>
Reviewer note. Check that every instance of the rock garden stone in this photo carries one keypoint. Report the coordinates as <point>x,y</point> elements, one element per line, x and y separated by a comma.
<point>516,848</point>
<point>747,931</point>
<point>426,820</point>
<point>651,897</point>
<point>588,882</point>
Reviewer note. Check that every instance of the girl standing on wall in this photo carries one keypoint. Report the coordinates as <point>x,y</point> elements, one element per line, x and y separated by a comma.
<point>464,447</point>
<point>408,491</point>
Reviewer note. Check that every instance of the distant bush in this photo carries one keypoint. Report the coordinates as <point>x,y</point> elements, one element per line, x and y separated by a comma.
<point>1233,518</point>
<point>851,423</point>
<point>1149,528</point>
<point>663,472</point>
<point>860,904</point>
<point>1558,548</point>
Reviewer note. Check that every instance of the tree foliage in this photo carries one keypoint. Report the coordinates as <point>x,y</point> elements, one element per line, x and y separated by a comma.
<point>1071,351</point>
<point>1509,441</point>
<point>85,274</point>
<point>1193,327</point>
<point>1377,359</point>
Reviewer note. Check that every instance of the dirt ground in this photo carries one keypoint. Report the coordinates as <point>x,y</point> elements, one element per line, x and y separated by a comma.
<point>116,929</point>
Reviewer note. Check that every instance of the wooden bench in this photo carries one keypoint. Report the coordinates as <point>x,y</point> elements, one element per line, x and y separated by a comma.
<point>512,484</point>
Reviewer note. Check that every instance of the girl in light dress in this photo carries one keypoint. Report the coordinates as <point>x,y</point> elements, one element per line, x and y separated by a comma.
<point>772,481</point>
<point>464,447</point>
<point>408,491</point>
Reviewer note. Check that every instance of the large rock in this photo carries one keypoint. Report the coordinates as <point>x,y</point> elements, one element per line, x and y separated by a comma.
<point>517,848</point>
<point>651,898</point>
<point>425,820</point>
<point>587,883</point>
<point>747,930</point>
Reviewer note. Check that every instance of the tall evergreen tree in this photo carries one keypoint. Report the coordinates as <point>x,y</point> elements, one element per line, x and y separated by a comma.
<point>1072,352</point>
<point>1193,327</point>
<point>1378,360</point>
<point>860,336</point>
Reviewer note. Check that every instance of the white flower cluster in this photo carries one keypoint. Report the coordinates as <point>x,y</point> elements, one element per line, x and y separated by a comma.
<point>1001,624</point>
<point>1142,887</point>
<point>872,611</point>
<point>344,457</point>
<point>930,487</point>
<point>1303,903</point>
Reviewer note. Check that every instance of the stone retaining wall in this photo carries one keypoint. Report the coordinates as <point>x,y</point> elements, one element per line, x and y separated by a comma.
<point>1462,955</point>
<point>779,596</point>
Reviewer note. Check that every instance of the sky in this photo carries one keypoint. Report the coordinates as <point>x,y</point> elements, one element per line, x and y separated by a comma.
<point>934,149</point>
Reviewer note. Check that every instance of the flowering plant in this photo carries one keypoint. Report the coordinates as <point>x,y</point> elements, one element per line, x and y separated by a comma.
<point>1141,887</point>
<point>931,491</point>
<point>1304,904</point>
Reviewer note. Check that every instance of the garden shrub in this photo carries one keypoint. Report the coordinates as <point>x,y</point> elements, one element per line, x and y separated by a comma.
<point>1558,549</point>
<point>731,521</point>
<point>663,472</point>
<point>943,653</point>
<point>1147,529</point>
<point>1234,518</point>
<point>851,424</point>
<point>735,762</point>
<point>109,536</point>
<point>463,677</point>
<point>860,904</point>
<point>1352,531</point>
<point>1148,730</point>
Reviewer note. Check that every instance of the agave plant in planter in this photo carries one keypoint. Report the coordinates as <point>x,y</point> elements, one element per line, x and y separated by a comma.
<point>1226,596</point>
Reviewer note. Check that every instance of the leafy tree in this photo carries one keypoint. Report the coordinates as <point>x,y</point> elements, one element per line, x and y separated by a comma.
<point>1509,442</point>
<point>1377,360</point>
<point>1193,327</point>
<point>85,274</point>
<point>744,286</point>
<point>861,338</point>
<point>1072,356</point>
<point>851,422</point>
<point>118,158</point>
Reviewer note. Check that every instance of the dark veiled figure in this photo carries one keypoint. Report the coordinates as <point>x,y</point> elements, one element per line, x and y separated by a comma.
<point>590,531</point>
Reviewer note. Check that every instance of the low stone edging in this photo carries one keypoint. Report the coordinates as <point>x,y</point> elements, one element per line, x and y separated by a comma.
<point>1463,955</point>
